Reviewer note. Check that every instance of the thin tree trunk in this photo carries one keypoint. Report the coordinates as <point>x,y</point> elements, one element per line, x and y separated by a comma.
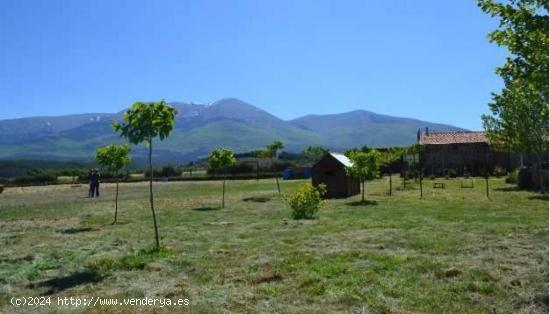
<point>539,170</point>
<point>276,178</point>
<point>390,183</point>
<point>487,184</point>
<point>420,179</point>
<point>223,191</point>
<point>257,169</point>
<point>116,202</point>
<point>363,190</point>
<point>487,171</point>
<point>151,193</point>
<point>403,171</point>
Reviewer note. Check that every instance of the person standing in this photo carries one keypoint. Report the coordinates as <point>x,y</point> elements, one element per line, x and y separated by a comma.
<point>95,183</point>
<point>90,184</point>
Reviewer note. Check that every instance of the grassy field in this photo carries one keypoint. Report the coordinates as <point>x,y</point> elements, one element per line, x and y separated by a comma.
<point>453,251</point>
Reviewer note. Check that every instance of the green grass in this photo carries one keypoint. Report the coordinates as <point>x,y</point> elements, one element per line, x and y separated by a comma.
<point>453,251</point>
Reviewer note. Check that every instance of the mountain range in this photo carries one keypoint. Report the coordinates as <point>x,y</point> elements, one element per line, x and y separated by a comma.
<point>200,128</point>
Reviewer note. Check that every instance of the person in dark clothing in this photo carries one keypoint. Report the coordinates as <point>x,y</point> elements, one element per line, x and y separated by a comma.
<point>95,182</point>
<point>91,186</point>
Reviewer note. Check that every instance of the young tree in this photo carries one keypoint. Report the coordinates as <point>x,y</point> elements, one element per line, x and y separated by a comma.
<point>417,151</point>
<point>314,153</point>
<point>365,167</point>
<point>388,157</point>
<point>220,159</point>
<point>142,123</point>
<point>272,150</point>
<point>519,113</point>
<point>259,154</point>
<point>114,157</point>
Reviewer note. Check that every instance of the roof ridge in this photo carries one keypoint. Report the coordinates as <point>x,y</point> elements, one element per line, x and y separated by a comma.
<point>451,137</point>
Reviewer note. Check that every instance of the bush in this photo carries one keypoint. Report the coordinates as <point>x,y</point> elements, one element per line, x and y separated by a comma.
<point>306,201</point>
<point>499,171</point>
<point>450,173</point>
<point>512,177</point>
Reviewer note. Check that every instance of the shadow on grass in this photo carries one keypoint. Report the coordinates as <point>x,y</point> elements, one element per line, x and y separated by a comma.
<point>362,203</point>
<point>78,230</point>
<point>25,258</point>
<point>542,197</point>
<point>118,223</point>
<point>257,199</point>
<point>206,209</point>
<point>508,189</point>
<point>58,284</point>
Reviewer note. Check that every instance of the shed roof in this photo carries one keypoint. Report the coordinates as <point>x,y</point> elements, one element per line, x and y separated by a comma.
<point>462,137</point>
<point>342,159</point>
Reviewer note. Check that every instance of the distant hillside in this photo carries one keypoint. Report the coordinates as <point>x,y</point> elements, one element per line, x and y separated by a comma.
<point>202,127</point>
<point>360,126</point>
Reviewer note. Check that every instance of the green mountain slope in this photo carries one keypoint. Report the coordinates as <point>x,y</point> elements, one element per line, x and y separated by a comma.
<point>201,128</point>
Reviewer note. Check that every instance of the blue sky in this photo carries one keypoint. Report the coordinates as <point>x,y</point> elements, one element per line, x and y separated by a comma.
<point>423,59</point>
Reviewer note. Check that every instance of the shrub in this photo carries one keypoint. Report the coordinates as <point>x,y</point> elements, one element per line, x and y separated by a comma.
<point>306,201</point>
<point>499,171</point>
<point>512,177</point>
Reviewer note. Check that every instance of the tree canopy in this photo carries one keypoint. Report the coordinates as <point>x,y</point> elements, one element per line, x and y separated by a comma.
<point>113,157</point>
<point>314,152</point>
<point>365,165</point>
<point>274,147</point>
<point>519,113</point>
<point>390,155</point>
<point>145,121</point>
<point>221,158</point>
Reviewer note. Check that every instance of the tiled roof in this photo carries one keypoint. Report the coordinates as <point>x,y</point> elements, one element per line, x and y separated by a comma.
<point>437,138</point>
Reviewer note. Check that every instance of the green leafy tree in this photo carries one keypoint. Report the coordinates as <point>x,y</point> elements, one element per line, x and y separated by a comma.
<point>114,158</point>
<point>272,150</point>
<point>413,155</point>
<point>519,113</point>
<point>142,123</point>
<point>219,160</point>
<point>365,166</point>
<point>314,153</point>
<point>388,157</point>
<point>364,149</point>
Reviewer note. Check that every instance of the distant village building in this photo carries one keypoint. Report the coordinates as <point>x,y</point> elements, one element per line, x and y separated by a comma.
<point>462,153</point>
<point>331,171</point>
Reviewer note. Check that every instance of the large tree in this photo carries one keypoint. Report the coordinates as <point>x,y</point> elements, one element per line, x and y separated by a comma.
<point>114,157</point>
<point>219,160</point>
<point>519,113</point>
<point>142,123</point>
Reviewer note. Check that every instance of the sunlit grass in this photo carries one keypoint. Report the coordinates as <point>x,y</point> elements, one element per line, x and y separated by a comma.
<point>453,251</point>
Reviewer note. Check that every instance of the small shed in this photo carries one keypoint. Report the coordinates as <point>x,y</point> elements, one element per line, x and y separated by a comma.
<point>331,171</point>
